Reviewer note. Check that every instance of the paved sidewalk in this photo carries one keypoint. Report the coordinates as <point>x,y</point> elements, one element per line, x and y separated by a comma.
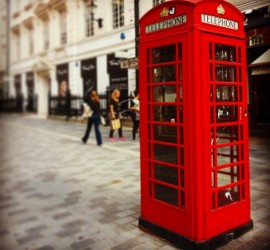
<point>59,194</point>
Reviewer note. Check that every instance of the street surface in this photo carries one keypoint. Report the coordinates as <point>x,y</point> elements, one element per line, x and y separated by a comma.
<point>60,194</point>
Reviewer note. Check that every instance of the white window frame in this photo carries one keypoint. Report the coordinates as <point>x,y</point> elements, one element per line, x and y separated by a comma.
<point>118,12</point>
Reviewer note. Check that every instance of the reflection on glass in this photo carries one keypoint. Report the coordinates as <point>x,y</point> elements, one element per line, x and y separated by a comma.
<point>166,174</point>
<point>166,194</point>
<point>224,53</point>
<point>163,54</point>
<point>226,113</point>
<point>165,153</point>
<point>226,93</point>
<point>225,73</point>
<point>164,74</point>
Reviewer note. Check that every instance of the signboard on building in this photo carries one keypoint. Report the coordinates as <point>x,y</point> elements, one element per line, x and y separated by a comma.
<point>131,63</point>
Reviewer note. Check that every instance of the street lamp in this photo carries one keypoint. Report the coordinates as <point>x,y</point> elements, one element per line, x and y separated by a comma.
<point>91,7</point>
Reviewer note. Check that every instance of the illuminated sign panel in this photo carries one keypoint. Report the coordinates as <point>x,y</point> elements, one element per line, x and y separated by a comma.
<point>219,21</point>
<point>182,19</point>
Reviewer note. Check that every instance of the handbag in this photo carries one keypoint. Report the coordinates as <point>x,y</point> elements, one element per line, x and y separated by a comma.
<point>116,124</point>
<point>102,120</point>
<point>87,112</point>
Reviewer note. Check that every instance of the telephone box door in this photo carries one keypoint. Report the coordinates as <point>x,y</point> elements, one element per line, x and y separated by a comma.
<point>228,163</point>
<point>164,177</point>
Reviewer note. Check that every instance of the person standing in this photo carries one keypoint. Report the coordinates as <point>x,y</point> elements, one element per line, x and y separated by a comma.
<point>135,108</point>
<point>114,113</point>
<point>92,99</point>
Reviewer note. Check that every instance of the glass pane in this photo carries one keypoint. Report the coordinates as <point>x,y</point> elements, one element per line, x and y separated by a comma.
<point>180,51</point>
<point>166,174</point>
<point>180,72</point>
<point>165,133</point>
<point>182,157</point>
<point>165,153</point>
<point>226,155</point>
<point>224,53</point>
<point>148,75</point>
<point>182,195</point>
<point>181,129</point>
<point>225,73</point>
<point>182,178</point>
<point>211,93</point>
<point>164,54</point>
<point>164,74</point>
<point>166,194</point>
<point>180,92</point>
<point>226,113</point>
<point>228,196</point>
<point>226,93</point>
<point>165,113</point>
<point>227,176</point>
<point>227,134</point>
<point>164,93</point>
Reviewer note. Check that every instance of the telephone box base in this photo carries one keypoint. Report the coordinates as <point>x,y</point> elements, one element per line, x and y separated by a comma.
<point>188,244</point>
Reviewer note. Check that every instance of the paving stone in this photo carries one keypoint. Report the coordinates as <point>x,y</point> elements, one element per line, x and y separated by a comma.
<point>59,194</point>
<point>82,244</point>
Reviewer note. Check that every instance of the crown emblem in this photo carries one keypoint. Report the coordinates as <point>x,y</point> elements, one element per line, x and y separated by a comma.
<point>220,10</point>
<point>164,12</point>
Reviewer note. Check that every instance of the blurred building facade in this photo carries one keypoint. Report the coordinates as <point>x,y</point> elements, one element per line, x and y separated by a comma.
<point>55,45</point>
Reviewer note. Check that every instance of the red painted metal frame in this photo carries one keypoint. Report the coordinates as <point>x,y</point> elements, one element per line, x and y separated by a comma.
<point>201,218</point>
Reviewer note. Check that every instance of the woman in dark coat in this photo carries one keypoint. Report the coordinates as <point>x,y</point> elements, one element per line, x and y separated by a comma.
<point>92,100</point>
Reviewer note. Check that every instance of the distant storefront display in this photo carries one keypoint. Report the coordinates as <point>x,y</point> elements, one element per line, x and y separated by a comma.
<point>118,76</point>
<point>62,79</point>
<point>30,91</point>
<point>18,85</point>
<point>89,73</point>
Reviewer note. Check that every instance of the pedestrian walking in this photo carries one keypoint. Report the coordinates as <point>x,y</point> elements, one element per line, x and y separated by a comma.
<point>92,99</point>
<point>114,114</point>
<point>135,115</point>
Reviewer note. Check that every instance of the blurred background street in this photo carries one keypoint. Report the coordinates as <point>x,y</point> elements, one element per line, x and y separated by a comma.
<point>60,194</point>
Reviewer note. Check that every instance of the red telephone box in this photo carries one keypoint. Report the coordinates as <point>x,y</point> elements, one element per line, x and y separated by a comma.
<point>194,123</point>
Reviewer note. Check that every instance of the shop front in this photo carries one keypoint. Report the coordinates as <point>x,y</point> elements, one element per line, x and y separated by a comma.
<point>89,73</point>
<point>118,78</point>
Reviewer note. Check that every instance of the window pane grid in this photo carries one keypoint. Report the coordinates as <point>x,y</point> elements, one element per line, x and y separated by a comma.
<point>118,14</point>
<point>226,142</point>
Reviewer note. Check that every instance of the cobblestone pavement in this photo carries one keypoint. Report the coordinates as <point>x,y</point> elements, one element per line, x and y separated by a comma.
<point>59,194</point>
